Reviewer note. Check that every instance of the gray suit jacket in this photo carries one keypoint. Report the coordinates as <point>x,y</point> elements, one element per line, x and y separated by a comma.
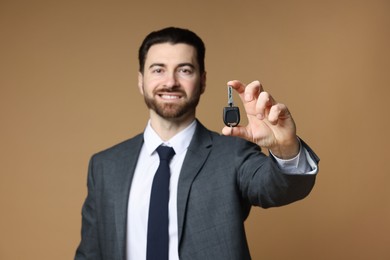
<point>221,178</point>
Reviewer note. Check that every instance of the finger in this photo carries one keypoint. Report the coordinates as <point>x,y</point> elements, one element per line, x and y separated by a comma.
<point>277,111</point>
<point>237,85</point>
<point>253,90</point>
<point>247,93</point>
<point>264,103</point>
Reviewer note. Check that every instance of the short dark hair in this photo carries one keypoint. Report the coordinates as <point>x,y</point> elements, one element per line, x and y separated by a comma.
<point>172,35</point>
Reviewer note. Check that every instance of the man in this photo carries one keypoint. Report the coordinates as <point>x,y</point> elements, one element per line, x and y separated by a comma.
<point>214,179</point>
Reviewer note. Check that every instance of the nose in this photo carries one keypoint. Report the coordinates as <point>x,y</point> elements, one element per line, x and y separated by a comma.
<point>171,80</point>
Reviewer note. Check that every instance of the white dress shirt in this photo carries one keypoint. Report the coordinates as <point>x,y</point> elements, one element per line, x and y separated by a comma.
<point>148,161</point>
<point>138,208</point>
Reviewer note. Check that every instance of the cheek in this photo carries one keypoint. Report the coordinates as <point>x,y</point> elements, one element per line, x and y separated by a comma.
<point>193,87</point>
<point>149,85</point>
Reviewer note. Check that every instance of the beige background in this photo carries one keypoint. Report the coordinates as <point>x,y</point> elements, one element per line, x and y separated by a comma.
<point>68,89</point>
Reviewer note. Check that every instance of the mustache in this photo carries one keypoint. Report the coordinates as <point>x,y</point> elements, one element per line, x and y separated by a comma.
<point>169,90</point>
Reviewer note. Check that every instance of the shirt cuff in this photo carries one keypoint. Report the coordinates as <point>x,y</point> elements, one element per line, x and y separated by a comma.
<point>303,163</point>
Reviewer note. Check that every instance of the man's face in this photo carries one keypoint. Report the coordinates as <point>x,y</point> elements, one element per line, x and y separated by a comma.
<point>171,82</point>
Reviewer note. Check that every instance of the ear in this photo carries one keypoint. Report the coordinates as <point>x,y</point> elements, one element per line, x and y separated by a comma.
<point>203,82</point>
<point>141,83</point>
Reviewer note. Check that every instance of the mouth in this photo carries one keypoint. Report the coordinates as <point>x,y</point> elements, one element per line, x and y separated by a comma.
<point>169,96</point>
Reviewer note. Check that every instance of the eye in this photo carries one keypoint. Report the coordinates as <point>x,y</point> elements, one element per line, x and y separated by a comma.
<point>157,70</point>
<point>186,70</point>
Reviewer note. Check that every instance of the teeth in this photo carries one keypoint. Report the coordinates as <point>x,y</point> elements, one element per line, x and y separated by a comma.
<point>169,97</point>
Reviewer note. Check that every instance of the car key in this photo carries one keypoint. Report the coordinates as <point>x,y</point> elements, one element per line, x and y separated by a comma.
<point>231,113</point>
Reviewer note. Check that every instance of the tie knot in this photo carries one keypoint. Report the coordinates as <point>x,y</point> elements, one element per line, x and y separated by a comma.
<point>165,152</point>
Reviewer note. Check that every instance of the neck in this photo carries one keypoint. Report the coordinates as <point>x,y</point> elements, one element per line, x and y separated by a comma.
<point>166,128</point>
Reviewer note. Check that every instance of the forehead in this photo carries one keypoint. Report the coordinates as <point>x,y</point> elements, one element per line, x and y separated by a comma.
<point>171,53</point>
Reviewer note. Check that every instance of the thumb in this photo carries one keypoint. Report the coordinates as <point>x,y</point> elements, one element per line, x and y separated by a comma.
<point>239,131</point>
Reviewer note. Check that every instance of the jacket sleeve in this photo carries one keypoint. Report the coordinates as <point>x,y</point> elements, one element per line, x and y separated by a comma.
<point>262,182</point>
<point>89,245</point>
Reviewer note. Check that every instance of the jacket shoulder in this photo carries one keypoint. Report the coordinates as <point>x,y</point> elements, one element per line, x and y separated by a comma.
<point>121,149</point>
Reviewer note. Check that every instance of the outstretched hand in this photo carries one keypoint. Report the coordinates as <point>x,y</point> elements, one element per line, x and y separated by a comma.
<point>270,124</point>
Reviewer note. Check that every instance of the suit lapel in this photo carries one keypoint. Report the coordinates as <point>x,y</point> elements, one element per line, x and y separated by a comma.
<point>196,156</point>
<point>126,166</point>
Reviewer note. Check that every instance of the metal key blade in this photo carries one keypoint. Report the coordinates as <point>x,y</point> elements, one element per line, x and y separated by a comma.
<point>230,96</point>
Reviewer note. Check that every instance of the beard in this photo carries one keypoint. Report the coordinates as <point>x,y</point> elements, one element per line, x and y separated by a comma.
<point>176,110</point>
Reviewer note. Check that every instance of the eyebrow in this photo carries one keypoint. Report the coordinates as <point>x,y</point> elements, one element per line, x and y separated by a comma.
<point>180,65</point>
<point>156,65</point>
<point>187,64</point>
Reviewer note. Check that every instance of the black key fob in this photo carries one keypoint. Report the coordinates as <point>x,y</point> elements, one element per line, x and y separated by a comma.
<point>231,116</point>
<point>231,113</point>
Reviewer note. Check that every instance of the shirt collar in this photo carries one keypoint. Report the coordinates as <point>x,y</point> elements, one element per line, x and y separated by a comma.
<point>178,142</point>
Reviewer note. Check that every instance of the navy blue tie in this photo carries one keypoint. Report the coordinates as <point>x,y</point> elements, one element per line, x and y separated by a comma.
<point>158,235</point>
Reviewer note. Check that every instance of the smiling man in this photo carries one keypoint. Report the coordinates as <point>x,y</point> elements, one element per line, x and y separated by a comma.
<point>171,83</point>
<point>179,190</point>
